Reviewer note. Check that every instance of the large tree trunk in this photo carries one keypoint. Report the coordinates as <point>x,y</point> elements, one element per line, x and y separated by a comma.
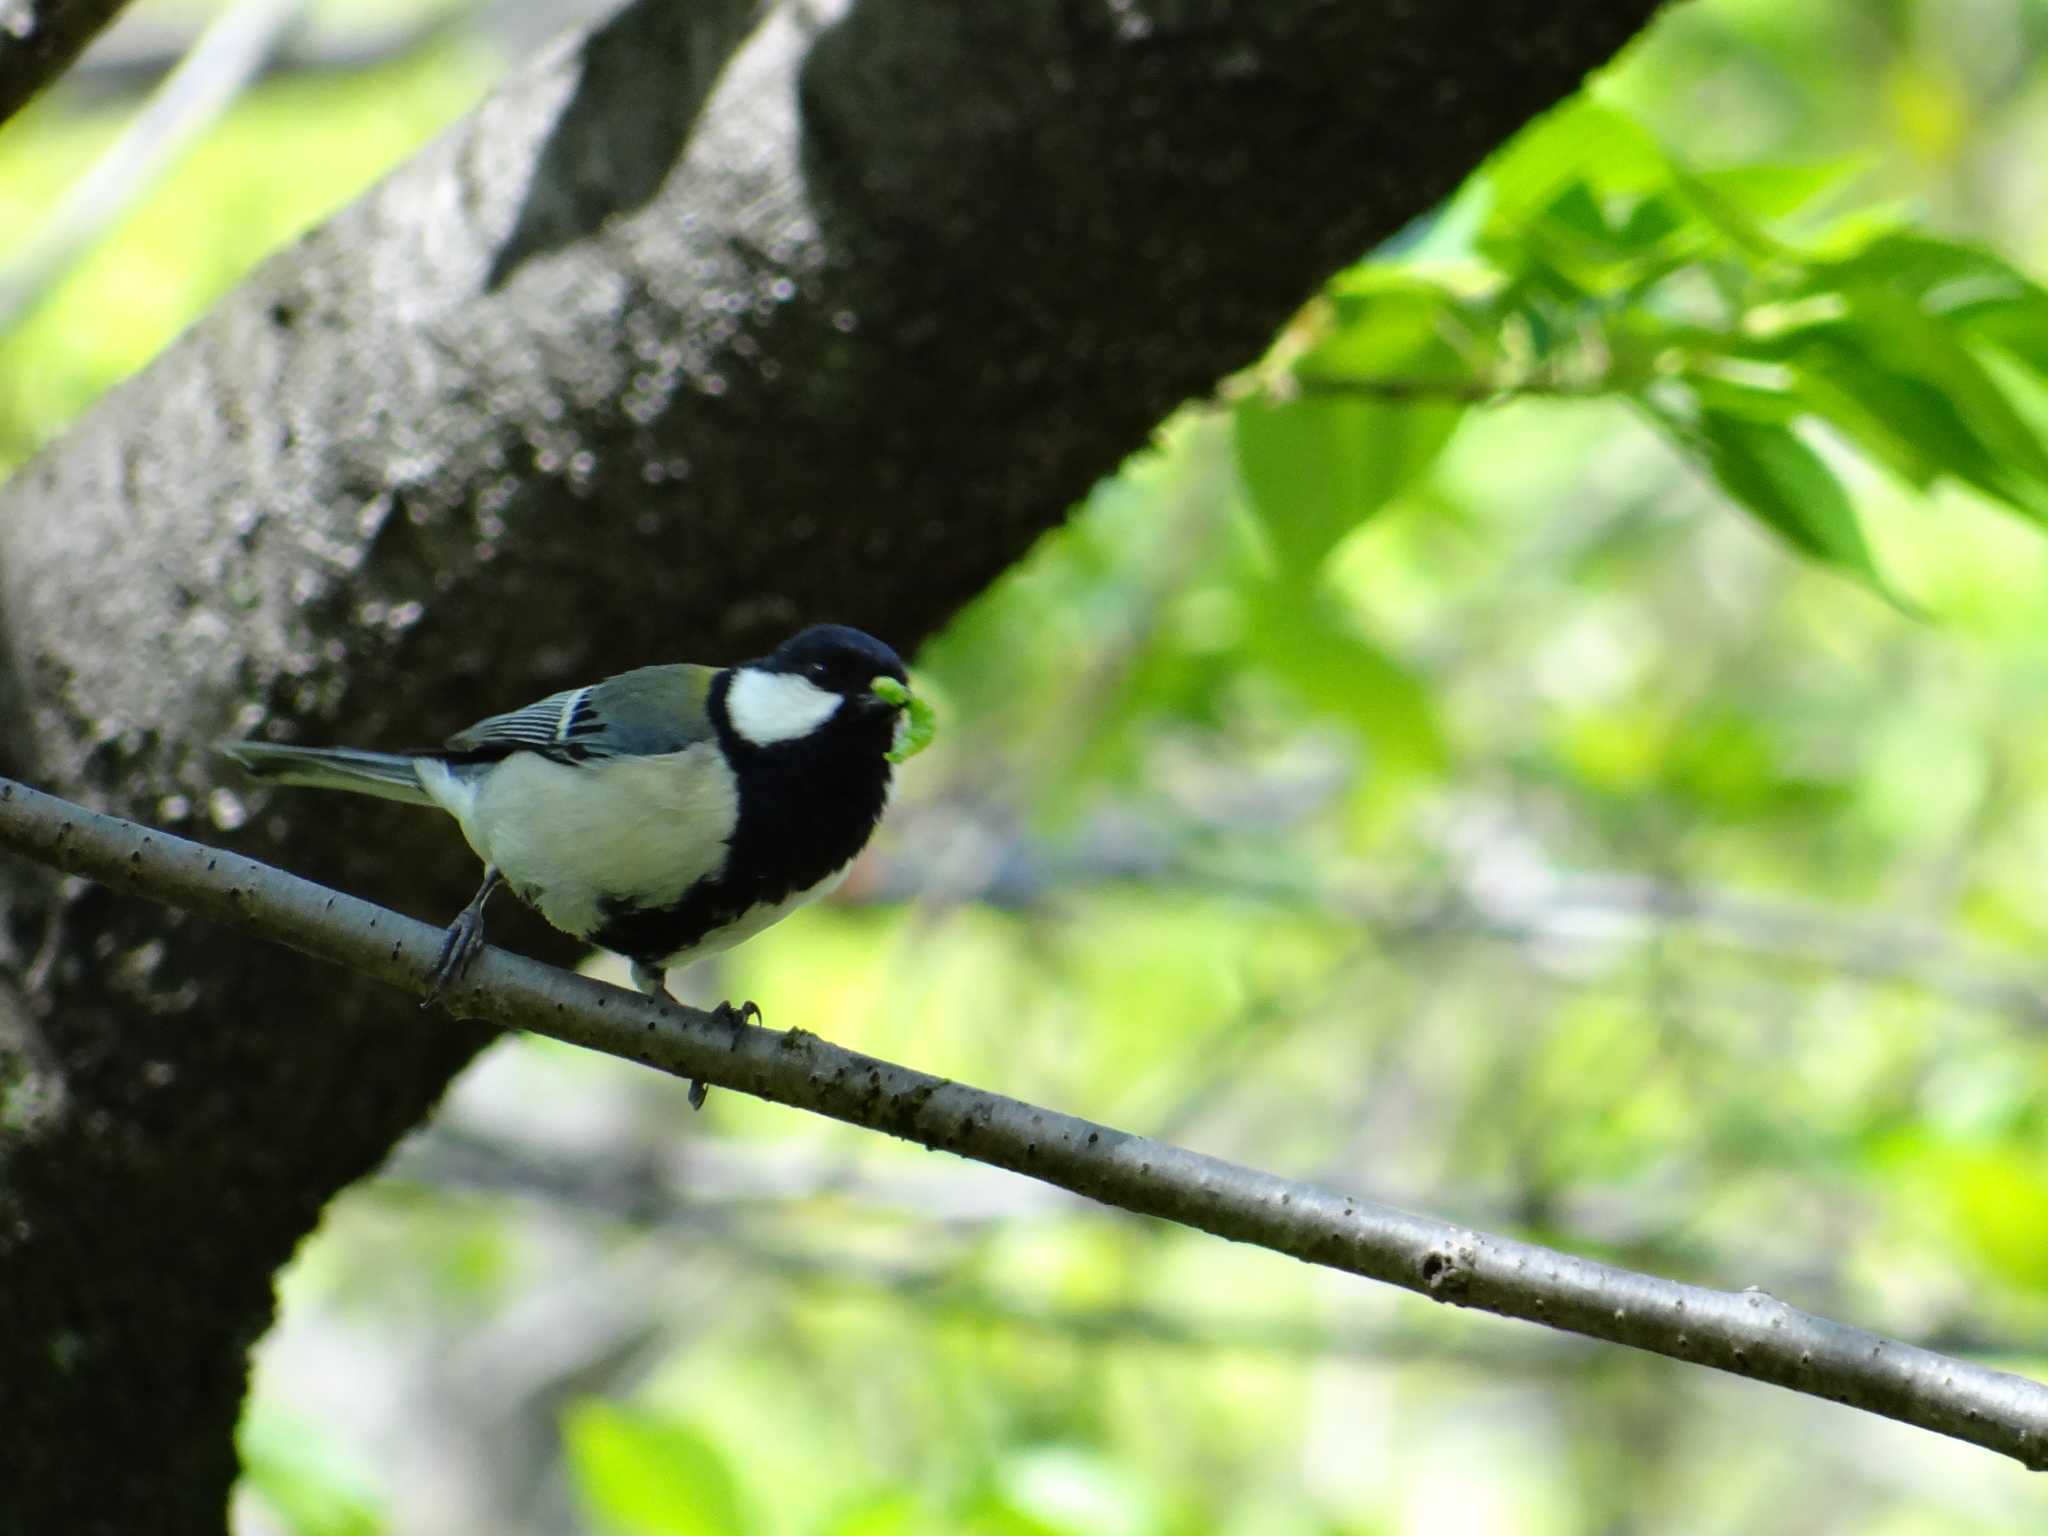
<point>703,326</point>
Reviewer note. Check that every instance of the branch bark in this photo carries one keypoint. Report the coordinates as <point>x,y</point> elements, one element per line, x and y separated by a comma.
<point>716,318</point>
<point>1746,1333</point>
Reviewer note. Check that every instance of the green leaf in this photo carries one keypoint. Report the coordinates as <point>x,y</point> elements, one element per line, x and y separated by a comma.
<point>1774,191</point>
<point>1906,386</point>
<point>1907,292</point>
<point>1787,485</point>
<point>1315,469</point>
<point>1735,396</point>
<point>1946,277</point>
<point>1902,336</point>
<point>1386,323</point>
<point>646,1476</point>
<point>1577,216</point>
<point>2017,327</point>
<point>1573,142</point>
<point>1903,422</point>
<point>1609,251</point>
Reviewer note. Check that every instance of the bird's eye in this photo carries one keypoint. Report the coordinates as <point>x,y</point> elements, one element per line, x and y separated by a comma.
<point>818,670</point>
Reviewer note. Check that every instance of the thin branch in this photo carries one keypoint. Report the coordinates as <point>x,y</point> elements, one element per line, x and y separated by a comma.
<point>1746,1333</point>
<point>131,59</point>
<point>38,41</point>
<point>225,59</point>
<point>1403,390</point>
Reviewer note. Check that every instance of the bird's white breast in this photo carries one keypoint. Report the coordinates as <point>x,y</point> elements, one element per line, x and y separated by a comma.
<point>569,839</point>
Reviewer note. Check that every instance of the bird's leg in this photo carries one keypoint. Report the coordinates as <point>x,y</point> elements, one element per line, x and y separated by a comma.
<point>735,1019</point>
<point>653,980</point>
<point>465,937</point>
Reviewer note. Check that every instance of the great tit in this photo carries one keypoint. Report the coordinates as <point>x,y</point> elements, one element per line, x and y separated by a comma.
<point>667,813</point>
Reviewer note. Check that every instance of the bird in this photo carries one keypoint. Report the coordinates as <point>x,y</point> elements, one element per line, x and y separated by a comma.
<point>665,814</point>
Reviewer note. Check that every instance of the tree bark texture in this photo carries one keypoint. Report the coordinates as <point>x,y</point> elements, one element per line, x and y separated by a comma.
<point>710,322</point>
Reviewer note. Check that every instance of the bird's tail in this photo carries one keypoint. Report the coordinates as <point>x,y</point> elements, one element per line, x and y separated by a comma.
<point>363,773</point>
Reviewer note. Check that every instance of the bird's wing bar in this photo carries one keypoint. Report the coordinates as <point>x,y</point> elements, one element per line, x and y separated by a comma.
<point>643,713</point>
<point>538,726</point>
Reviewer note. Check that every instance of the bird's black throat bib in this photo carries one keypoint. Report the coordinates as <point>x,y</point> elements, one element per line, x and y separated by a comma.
<point>806,808</point>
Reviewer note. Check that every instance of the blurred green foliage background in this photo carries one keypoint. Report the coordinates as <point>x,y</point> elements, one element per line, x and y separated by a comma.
<point>1552,746</point>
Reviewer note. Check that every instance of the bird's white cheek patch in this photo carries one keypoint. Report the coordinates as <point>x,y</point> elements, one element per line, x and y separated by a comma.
<point>770,707</point>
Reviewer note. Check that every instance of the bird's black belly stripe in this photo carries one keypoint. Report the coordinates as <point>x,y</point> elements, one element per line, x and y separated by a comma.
<point>650,934</point>
<point>806,808</point>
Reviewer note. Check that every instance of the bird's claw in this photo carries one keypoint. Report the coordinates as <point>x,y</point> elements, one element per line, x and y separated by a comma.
<point>465,941</point>
<point>735,1019</point>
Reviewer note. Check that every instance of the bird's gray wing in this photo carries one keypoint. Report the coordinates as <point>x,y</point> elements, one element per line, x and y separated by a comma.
<point>538,725</point>
<point>642,713</point>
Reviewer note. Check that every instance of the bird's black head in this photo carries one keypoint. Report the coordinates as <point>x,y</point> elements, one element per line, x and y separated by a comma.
<point>814,688</point>
<point>834,657</point>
